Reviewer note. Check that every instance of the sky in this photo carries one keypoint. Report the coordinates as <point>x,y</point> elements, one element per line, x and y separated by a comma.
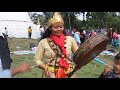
<point>80,17</point>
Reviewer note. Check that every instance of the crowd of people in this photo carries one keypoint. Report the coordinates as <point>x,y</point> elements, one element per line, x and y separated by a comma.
<point>57,47</point>
<point>114,38</point>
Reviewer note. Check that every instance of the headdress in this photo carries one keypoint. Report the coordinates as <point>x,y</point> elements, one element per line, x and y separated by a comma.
<point>56,18</point>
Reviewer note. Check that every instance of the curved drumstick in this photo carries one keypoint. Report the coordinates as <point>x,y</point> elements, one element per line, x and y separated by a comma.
<point>101,62</point>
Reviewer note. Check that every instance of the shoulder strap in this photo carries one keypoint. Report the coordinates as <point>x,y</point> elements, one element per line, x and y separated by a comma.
<point>55,48</point>
<point>51,44</point>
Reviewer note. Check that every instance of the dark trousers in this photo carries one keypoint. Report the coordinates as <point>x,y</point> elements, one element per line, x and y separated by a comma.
<point>110,40</point>
<point>29,35</point>
<point>5,53</point>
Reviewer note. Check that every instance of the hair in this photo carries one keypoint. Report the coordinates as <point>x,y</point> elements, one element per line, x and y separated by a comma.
<point>81,30</point>
<point>48,32</point>
<point>29,26</point>
<point>75,28</point>
<point>117,57</point>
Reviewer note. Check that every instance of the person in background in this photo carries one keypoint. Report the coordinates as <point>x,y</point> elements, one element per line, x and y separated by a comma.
<point>115,35</point>
<point>42,31</point>
<point>115,42</point>
<point>110,35</point>
<point>29,32</point>
<point>82,36</point>
<point>76,35</point>
<point>6,32</point>
<point>112,73</point>
<point>92,33</point>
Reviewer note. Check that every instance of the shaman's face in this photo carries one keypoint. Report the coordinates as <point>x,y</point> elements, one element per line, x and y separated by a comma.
<point>57,29</point>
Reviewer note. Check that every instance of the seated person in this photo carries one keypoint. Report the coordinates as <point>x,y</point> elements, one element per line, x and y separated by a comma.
<point>115,43</point>
<point>112,73</point>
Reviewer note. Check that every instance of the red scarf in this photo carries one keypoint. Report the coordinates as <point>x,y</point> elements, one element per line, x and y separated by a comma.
<point>60,42</point>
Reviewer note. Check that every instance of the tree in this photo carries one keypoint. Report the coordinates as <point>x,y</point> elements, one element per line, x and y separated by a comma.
<point>37,18</point>
<point>48,15</point>
<point>70,19</point>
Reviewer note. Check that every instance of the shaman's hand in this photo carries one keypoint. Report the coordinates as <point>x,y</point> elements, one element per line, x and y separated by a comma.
<point>49,73</point>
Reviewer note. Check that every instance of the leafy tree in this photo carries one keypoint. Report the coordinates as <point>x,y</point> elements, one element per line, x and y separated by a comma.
<point>37,18</point>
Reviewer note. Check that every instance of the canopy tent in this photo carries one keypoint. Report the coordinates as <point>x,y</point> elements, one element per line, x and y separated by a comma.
<point>17,24</point>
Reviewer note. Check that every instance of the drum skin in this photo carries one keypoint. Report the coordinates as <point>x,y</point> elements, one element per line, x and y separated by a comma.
<point>91,48</point>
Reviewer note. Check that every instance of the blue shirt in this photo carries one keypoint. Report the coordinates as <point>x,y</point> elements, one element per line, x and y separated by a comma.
<point>77,37</point>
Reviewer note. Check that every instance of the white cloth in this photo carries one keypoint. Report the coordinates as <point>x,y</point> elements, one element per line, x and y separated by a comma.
<point>0,64</point>
<point>119,37</point>
<point>5,73</point>
<point>6,32</point>
<point>1,34</point>
<point>84,31</point>
<point>73,32</point>
<point>42,29</point>
<point>77,37</point>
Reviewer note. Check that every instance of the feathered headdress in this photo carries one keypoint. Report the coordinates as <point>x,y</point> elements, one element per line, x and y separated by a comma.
<point>56,18</point>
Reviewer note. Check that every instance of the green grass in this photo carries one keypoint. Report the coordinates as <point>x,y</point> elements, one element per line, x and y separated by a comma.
<point>24,44</point>
<point>21,44</point>
<point>91,70</point>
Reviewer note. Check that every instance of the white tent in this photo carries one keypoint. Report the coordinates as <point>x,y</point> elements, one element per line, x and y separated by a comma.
<point>17,24</point>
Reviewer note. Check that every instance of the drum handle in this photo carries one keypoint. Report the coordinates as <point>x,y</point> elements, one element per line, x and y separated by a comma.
<point>75,69</point>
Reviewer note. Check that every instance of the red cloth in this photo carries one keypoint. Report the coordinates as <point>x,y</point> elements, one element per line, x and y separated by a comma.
<point>60,73</point>
<point>60,42</point>
<point>91,34</point>
<point>115,35</point>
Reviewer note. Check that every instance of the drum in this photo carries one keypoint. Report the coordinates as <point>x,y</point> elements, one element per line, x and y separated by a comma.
<point>91,48</point>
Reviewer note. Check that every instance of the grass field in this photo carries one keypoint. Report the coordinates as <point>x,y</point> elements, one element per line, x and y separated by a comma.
<point>91,70</point>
